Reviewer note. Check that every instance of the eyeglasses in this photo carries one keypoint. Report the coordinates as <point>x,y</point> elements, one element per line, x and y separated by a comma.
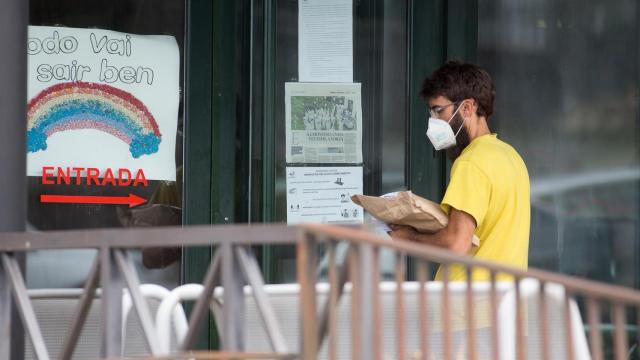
<point>435,110</point>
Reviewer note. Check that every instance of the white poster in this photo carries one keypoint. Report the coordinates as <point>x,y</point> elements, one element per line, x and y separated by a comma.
<point>102,99</point>
<point>323,123</point>
<point>325,40</point>
<point>323,195</point>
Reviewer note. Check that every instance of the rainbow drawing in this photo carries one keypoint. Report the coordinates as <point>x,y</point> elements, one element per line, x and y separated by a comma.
<point>83,105</point>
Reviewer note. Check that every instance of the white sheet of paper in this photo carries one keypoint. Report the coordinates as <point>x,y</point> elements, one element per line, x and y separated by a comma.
<point>323,195</point>
<point>325,40</point>
<point>323,123</point>
<point>145,67</point>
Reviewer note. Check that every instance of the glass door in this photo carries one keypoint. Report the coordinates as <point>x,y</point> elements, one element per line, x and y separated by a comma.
<point>105,110</point>
<point>380,66</point>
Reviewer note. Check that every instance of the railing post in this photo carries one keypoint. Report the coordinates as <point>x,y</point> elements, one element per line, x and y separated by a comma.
<point>595,336</point>
<point>233,309</point>
<point>521,351</point>
<point>112,285</point>
<point>378,344</point>
<point>544,321</point>
<point>399,273</point>
<point>366,304</point>
<point>307,276</point>
<point>333,302</point>
<point>423,313</point>
<point>620,343</point>
<point>446,313</point>
<point>568,324</point>
<point>495,340</point>
<point>471,323</point>
<point>356,323</point>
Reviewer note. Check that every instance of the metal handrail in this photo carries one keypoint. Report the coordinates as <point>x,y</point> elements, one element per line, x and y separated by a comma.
<point>135,238</point>
<point>234,266</point>
<point>367,340</point>
<point>438,255</point>
<point>114,270</point>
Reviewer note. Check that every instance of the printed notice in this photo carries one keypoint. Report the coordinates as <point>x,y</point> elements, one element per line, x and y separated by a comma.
<point>102,100</point>
<point>323,195</point>
<point>323,123</point>
<point>325,40</point>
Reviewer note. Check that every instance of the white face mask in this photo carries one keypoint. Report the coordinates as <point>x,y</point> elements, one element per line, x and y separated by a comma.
<point>440,132</point>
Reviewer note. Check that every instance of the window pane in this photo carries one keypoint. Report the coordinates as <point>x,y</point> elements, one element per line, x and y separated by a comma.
<point>566,76</point>
<point>68,268</point>
<point>380,66</point>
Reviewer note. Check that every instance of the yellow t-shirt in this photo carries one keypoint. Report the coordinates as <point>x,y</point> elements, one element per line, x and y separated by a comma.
<point>490,182</point>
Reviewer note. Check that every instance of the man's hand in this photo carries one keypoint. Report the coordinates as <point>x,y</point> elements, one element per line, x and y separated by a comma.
<point>403,232</point>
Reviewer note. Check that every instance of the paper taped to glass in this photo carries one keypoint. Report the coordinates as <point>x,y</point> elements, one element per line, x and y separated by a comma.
<point>407,208</point>
<point>323,123</point>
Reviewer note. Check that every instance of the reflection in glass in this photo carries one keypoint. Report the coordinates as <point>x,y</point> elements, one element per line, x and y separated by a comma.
<point>566,80</point>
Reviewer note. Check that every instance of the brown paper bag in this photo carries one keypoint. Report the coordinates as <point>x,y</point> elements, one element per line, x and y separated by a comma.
<point>406,208</point>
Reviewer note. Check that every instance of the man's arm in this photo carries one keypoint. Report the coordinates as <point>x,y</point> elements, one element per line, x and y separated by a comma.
<point>456,236</point>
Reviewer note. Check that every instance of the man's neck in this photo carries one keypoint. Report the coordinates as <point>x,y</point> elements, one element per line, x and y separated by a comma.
<point>480,129</point>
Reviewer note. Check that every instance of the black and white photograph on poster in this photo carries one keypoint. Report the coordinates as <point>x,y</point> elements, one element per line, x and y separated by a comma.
<point>323,195</point>
<point>323,123</point>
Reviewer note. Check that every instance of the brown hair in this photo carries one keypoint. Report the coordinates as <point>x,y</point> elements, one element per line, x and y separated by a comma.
<point>458,81</point>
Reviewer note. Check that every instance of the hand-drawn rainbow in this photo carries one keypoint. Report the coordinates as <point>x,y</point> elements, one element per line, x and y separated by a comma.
<point>82,105</point>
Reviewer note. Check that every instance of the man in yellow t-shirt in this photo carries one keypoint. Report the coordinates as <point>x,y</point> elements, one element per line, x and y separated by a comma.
<point>488,194</point>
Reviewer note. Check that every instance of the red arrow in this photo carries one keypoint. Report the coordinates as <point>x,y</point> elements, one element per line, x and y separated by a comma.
<point>131,200</point>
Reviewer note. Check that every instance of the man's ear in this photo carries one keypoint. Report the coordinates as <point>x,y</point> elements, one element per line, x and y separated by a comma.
<point>470,107</point>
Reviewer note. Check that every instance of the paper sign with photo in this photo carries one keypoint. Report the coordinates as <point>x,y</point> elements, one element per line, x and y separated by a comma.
<point>323,123</point>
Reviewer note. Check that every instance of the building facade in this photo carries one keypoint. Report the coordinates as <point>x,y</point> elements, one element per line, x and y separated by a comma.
<point>567,76</point>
